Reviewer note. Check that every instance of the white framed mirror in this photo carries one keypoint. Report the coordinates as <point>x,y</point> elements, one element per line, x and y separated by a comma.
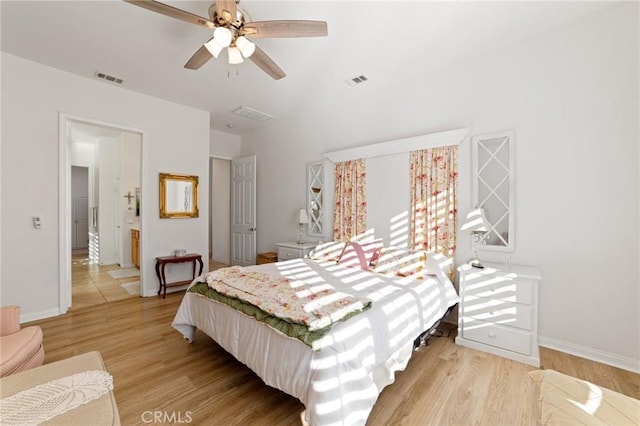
<point>316,199</point>
<point>494,187</point>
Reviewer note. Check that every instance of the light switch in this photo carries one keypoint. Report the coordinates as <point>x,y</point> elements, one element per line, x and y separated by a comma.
<point>36,222</point>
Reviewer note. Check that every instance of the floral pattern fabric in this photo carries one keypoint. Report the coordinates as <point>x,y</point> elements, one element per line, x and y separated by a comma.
<point>294,300</point>
<point>433,177</point>
<point>350,211</point>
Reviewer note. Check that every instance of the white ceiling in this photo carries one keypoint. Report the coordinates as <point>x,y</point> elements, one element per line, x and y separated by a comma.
<point>390,42</point>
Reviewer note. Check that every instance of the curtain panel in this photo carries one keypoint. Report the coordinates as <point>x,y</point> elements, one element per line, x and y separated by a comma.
<point>433,178</point>
<point>350,212</point>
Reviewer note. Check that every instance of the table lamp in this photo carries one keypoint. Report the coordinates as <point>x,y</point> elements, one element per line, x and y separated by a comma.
<point>477,224</point>
<point>303,219</point>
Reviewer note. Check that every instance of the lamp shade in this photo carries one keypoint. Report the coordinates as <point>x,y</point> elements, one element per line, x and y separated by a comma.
<point>214,47</point>
<point>476,221</point>
<point>246,46</point>
<point>235,57</point>
<point>223,36</point>
<point>302,217</point>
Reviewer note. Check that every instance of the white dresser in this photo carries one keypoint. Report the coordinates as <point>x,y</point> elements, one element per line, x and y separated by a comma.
<point>292,250</point>
<point>498,311</point>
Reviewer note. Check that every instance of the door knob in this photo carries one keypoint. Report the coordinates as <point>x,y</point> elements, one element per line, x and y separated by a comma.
<point>252,229</point>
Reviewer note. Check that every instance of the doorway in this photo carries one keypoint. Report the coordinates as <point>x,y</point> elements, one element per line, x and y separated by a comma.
<point>96,265</point>
<point>79,210</point>
<point>219,213</point>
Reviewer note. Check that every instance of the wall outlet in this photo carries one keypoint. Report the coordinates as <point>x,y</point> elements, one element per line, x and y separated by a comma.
<point>37,223</point>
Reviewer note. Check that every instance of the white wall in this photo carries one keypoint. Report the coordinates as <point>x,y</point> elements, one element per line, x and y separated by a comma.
<point>109,168</point>
<point>130,180</point>
<point>222,148</point>
<point>387,204</point>
<point>220,210</point>
<point>224,145</point>
<point>176,140</point>
<point>571,96</point>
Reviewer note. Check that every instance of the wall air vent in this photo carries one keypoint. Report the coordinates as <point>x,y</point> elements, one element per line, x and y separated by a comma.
<point>252,114</point>
<point>107,77</point>
<point>356,80</point>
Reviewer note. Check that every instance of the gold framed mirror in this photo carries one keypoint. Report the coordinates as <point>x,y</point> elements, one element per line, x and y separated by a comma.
<point>178,196</point>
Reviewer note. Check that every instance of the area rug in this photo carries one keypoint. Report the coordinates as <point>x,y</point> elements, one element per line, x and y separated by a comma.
<point>124,273</point>
<point>133,287</point>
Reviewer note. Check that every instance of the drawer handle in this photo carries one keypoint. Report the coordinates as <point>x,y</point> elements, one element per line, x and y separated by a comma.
<point>492,335</point>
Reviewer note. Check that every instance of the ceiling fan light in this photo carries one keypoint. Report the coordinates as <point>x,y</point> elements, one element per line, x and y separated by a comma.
<point>235,57</point>
<point>223,36</point>
<point>214,47</point>
<point>246,46</point>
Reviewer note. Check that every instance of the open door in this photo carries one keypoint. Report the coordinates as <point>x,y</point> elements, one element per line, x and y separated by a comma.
<point>243,211</point>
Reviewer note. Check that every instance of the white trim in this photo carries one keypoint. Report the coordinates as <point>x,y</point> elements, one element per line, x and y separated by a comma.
<point>64,216</point>
<point>220,157</point>
<point>608,358</point>
<point>34,316</point>
<point>533,360</point>
<point>64,209</point>
<point>398,146</point>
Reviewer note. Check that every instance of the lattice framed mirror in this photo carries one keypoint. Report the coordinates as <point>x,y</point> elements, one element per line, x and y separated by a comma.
<point>315,199</point>
<point>494,187</point>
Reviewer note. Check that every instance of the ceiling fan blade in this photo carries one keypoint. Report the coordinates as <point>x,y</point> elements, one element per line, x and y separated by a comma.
<point>267,65</point>
<point>285,29</point>
<point>172,12</point>
<point>227,10</point>
<point>199,58</point>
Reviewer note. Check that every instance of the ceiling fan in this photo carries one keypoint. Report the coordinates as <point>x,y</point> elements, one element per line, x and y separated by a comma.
<point>232,27</point>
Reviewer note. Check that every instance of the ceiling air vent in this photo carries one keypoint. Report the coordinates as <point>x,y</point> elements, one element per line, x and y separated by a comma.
<point>108,77</point>
<point>251,114</point>
<point>356,80</point>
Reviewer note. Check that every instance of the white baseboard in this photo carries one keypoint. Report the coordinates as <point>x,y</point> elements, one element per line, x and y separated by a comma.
<point>34,316</point>
<point>608,358</point>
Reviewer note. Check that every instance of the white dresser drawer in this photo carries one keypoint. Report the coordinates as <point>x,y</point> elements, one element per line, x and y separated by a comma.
<point>285,253</point>
<point>499,311</point>
<point>507,338</point>
<point>519,291</point>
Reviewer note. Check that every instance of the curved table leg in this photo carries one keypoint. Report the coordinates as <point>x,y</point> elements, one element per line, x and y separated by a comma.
<point>159,276</point>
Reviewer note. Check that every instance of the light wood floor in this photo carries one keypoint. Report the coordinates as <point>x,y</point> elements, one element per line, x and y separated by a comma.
<point>92,285</point>
<point>155,369</point>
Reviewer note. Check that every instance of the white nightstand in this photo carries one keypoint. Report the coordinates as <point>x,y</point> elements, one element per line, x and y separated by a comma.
<point>288,250</point>
<point>498,311</point>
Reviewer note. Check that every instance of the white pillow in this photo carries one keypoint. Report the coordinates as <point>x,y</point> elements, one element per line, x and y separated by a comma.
<point>327,251</point>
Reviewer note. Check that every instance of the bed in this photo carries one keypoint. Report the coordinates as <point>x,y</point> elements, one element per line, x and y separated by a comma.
<point>339,378</point>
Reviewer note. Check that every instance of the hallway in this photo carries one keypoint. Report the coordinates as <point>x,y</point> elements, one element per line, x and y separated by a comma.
<point>92,284</point>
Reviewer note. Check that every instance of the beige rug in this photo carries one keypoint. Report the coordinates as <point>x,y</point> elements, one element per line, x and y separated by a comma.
<point>133,288</point>
<point>124,273</point>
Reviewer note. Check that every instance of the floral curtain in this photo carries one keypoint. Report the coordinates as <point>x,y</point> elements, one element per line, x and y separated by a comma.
<point>433,175</point>
<point>350,211</point>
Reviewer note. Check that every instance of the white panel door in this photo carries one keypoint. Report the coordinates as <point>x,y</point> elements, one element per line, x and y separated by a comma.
<point>80,222</point>
<point>243,211</point>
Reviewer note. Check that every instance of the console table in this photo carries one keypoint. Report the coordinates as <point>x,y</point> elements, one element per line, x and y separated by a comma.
<point>162,261</point>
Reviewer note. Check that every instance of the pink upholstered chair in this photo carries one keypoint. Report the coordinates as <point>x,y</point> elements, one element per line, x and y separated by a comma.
<point>20,348</point>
